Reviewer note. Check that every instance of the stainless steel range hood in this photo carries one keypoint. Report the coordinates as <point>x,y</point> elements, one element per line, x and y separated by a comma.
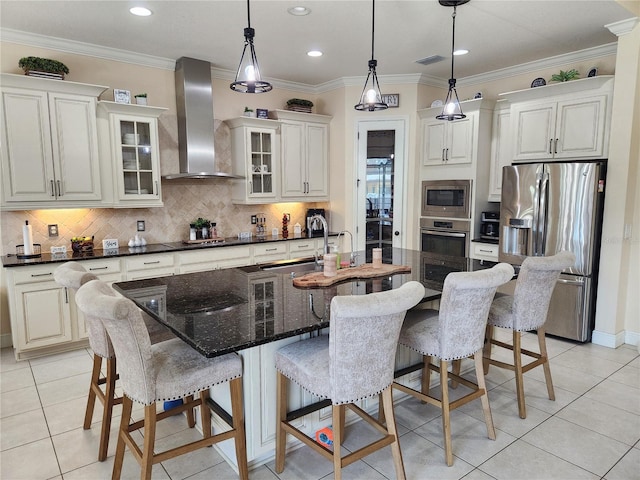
<point>194,106</point>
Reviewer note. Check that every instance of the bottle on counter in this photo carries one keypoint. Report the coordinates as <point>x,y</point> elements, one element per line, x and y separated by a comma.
<point>213,231</point>
<point>192,231</point>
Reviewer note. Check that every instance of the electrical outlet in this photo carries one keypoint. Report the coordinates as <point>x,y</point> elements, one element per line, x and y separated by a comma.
<point>140,225</point>
<point>53,230</point>
<point>254,219</point>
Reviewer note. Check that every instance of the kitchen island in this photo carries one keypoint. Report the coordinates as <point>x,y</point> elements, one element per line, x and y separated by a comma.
<point>255,310</point>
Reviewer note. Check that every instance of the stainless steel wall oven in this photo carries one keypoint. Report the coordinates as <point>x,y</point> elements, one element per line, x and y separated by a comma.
<point>447,238</point>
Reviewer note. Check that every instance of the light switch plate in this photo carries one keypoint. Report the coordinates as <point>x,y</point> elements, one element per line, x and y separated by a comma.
<point>140,225</point>
<point>110,244</point>
<point>60,249</point>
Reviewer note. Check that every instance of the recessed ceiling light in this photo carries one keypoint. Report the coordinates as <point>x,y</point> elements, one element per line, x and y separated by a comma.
<point>299,11</point>
<point>314,53</point>
<point>140,11</point>
<point>461,51</point>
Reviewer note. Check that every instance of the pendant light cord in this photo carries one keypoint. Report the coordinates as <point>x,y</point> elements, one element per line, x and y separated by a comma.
<point>453,38</point>
<point>373,26</point>
<point>248,15</point>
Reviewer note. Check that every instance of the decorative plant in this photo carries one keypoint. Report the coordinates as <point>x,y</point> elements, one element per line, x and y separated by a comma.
<point>42,65</point>
<point>565,76</point>
<point>299,101</point>
<point>201,222</point>
<point>141,95</point>
<point>247,109</point>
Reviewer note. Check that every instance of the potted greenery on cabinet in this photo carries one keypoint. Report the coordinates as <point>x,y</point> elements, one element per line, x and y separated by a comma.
<point>43,67</point>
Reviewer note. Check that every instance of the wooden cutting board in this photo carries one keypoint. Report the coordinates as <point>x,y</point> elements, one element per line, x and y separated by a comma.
<point>317,279</point>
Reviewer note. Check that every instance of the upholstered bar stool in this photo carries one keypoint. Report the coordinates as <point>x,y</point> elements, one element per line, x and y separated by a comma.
<point>524,311</point>
<point>162,372</point>
<point>454,332</point>
<point>355,361</point>
<point>72,275</point>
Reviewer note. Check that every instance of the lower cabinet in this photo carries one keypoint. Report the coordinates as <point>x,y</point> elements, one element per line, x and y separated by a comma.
<point>213,259</point>
<point>40,310</point>
<point>484,251</point>
<point>270,252</point>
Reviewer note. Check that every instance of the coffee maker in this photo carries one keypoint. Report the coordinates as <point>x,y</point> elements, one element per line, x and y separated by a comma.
<point>490,227</point>
<point>314,228</point>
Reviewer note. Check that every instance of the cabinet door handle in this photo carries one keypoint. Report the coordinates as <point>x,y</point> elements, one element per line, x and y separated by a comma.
<point>447,156</point>
<point>66,295</point>
<point>250,187</point>
<point>555,147</point>
<point>91,269</point>
<point>41,274</point>
<point>550,143</point>
<point>155,189</point>
<point>151,263</point>
<point>59,188</point>
<point>443,154</point>
<point>53,192</point>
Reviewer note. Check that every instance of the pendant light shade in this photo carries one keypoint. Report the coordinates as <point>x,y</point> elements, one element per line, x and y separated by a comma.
<point>248,79</point>
<point>371,98</point>
<point>452,109</point>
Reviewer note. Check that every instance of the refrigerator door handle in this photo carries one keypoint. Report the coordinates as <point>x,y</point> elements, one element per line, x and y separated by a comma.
<point>543,217</point>
<point>536,212</point>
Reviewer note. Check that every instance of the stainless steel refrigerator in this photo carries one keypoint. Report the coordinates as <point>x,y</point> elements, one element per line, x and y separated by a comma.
<point>549,207</point>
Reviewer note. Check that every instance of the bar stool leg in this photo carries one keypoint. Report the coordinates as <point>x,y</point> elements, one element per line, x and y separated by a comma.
<point>426,374</point>
<point>149,441</point>
<point>542,342</point>
<point>127,406</point>
<point>91,400</point>
<point>387,401</point>
<point>337,435</point>
<point>486,353</point>
<point>281,435</point>
<point>107,411</point>
<point>446,422</point>
<point>488,419</point>
<point>237,413</point>
<point>517,362</point>
<point>205,414</point>
<point>191,419</point>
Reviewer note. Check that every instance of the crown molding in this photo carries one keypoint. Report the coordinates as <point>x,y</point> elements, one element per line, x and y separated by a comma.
<point>107,53</point>
<point>623,26</point>
<point>88,49</point>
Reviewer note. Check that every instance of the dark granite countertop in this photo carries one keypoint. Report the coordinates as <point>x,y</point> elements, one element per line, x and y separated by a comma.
<point>222,311</point>
<point>124,251</point>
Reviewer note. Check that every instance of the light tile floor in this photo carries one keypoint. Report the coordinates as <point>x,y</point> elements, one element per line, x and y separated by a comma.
<point>591,430</point>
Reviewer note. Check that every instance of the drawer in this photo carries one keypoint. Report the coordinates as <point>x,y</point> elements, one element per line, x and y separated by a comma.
<point>275,248</point>
<point>213,254</point>
<point>302,248</point>
<point>145,262</point>
<point>37,273</point>
<point>102,267</point>
<point>485,251</point>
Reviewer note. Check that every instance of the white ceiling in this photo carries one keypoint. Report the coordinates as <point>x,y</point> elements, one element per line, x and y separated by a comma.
<point>499,33</point>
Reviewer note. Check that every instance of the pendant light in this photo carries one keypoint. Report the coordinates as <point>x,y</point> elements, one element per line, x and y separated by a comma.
<point>452,109</point>
<point>248,78</point>
<point>371,98</point>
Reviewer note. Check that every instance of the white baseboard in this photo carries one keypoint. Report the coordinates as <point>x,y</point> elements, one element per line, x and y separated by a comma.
<point>608,339</point>
<point>632,338</point>
<point>5,340</point>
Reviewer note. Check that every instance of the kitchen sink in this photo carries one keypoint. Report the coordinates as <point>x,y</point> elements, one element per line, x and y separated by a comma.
<point>293,268</point>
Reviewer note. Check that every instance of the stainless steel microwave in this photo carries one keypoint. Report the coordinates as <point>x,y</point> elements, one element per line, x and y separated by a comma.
<point>446,198</point>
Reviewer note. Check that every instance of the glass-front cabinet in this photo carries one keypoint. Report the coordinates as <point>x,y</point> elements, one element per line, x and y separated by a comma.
<point>135,153</point>
<point>255,151</point>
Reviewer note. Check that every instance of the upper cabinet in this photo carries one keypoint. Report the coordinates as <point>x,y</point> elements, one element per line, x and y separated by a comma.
<point>446,143</point>
<point>562,121</point>
<point>134,153</point>
<point>50,149</point>
<point>255,150</point>
<point>500,148</point>
<point>305,156</point>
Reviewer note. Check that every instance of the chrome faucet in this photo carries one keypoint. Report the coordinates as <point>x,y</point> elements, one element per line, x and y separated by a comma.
<point>325,229</point>
<point>352,254</point>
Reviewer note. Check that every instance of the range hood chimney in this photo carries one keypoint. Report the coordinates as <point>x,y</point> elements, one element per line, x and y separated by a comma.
<point>194,105</point>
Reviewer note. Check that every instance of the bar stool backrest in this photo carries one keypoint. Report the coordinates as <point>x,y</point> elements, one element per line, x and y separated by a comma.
<point>363,338</point>
<point>534,287</point>
<point>464,308</point>
<point>129,336</point>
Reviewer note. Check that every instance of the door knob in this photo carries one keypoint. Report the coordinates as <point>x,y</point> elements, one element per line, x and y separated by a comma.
<point>396,233</point>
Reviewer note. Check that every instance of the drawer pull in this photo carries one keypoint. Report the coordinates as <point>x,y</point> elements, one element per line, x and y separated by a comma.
<point>91,269</point>
<point>303,246</point>
<point>485,251</point>
<point>151,263</point>
<point>271,249</point>
<point>41,274</point>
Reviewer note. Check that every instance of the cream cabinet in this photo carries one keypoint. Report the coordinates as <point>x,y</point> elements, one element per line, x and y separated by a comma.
<point>270,252</point>
<point>304,169</point>
<point>134,152</point>
<point>484,251</point>
<point>500,148</point>
<point>562,121</point>
<point>50,155</point>
<point>213,258</point>
<point>255,151</point>
<point>139,267</point>
<point>446,142</point>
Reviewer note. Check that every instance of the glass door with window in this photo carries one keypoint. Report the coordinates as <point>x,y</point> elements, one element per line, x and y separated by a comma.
<point>381,159</point>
